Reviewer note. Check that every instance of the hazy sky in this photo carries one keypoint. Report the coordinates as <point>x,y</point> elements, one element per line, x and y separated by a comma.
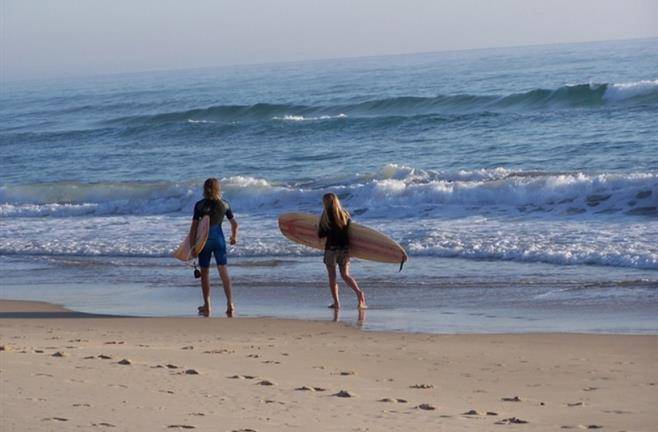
<point>80,37</point>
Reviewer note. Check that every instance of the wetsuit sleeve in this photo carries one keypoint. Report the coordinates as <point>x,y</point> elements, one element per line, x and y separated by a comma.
<point>227,210</point>
<point>197,212</point>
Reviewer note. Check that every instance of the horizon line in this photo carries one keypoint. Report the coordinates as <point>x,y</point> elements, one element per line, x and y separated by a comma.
<point>73,75</point>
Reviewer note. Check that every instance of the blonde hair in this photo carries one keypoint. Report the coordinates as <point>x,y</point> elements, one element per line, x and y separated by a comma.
<point>332,207</point>
<point>212,189</point>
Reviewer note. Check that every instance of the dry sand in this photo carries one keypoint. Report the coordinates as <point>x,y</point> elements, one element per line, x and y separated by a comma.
<point>69,371</point>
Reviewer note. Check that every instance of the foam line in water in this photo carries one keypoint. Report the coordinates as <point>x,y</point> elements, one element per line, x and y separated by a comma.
<point>394,191</point>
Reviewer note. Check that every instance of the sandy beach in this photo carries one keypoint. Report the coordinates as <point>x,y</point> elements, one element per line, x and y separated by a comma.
<point>62,370</point>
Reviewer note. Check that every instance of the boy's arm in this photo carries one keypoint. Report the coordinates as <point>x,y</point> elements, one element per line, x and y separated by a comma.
<point>234,231</point>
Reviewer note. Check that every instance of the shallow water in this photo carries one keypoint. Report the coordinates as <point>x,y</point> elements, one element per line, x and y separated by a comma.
<point>435,295</point>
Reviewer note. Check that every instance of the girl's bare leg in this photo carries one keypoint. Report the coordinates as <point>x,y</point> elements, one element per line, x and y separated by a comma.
<point>226,282</point>
<point>333,286</point>
<point>349,280</point>
<point>205,291</point>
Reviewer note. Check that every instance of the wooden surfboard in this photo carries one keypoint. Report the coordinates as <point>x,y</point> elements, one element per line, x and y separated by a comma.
<point>365,243</point>
<point>185,252</point>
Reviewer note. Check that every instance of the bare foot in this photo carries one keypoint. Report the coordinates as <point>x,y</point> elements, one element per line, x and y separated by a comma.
<point>230,310</point>
<point>204,311</point>
<point>334,306</point>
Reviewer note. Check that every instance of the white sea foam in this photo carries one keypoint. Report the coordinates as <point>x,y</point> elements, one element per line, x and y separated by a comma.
<point>393,191</point>
<point>561,218</point>
<point>200,121</point>
<point>295,118</point>
<point>621,91</point>
<point>579,242</point>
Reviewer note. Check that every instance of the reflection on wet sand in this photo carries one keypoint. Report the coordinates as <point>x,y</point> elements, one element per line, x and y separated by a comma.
<point>360,319</point>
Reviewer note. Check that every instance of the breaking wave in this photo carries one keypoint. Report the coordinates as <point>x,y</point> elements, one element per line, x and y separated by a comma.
<point>569,96</point>
<point>394,191</point>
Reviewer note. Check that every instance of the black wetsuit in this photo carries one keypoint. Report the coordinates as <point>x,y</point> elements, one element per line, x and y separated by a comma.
<point>336,237</point>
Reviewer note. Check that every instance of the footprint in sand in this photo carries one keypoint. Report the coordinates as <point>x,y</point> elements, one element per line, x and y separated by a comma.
<point>59,419</point>
<point>104,357</point>
<point>59,354</point>
<point>191,372</point>
<point>248,377</point>
<point>180,426</point>
<point>393,400</point>
<point>188,347</point>
<point>422,386</point>
<point>77,405</point>
<point>265,383</point>
<point>270,401</point>
<point>104,424</point>
<point>426,407</point>
<point>311,389</point>
<point>575,404</point>
<point>472,413</point>
<point>587,389</point>
<point>511,399</point>
<point>124,362</point>
<point>219,351</point>
<point>244,430</point>
<point>511,420</point>
<point>171,366</point>
<point>344,394</point>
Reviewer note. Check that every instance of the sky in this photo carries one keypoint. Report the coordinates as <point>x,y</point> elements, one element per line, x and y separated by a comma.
<point>45,38</point>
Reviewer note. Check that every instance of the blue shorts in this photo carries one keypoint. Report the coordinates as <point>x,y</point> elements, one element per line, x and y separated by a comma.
<point>214,245</point>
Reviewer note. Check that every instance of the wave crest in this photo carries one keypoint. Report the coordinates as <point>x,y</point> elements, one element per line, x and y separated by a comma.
<point>589,95</point>
<point>393,191</point>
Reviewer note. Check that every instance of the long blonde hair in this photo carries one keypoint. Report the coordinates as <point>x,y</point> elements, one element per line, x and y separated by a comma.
<point>332,206</point>
<point>212,189</point>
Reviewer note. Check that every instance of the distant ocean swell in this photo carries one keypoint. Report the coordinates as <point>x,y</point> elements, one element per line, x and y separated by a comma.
<point>570,96</point>
<point>394,191</point>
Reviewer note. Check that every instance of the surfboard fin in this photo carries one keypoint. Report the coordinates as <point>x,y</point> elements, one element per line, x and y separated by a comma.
<point>401,265</point>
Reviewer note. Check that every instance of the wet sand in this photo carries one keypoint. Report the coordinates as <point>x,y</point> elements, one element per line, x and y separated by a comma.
<point>62,370</point>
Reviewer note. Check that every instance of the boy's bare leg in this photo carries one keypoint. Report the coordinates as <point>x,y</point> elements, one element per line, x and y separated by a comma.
<point>226,282</point>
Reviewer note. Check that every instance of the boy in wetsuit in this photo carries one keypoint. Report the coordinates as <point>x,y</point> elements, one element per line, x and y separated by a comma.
<point>215,208</point>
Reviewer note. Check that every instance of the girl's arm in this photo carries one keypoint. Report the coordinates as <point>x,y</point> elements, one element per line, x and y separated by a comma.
<point>234,231</point>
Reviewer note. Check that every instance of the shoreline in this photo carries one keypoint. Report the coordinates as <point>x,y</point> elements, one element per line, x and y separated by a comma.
<point>449,296</point>
<point>73,370</point>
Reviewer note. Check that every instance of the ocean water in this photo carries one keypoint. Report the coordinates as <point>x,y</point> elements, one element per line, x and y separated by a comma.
<point>524,176</point>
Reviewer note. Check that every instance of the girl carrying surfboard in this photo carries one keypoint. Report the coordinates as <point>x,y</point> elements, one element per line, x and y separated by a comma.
<point>213,206</point>
<point>334,225</point>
